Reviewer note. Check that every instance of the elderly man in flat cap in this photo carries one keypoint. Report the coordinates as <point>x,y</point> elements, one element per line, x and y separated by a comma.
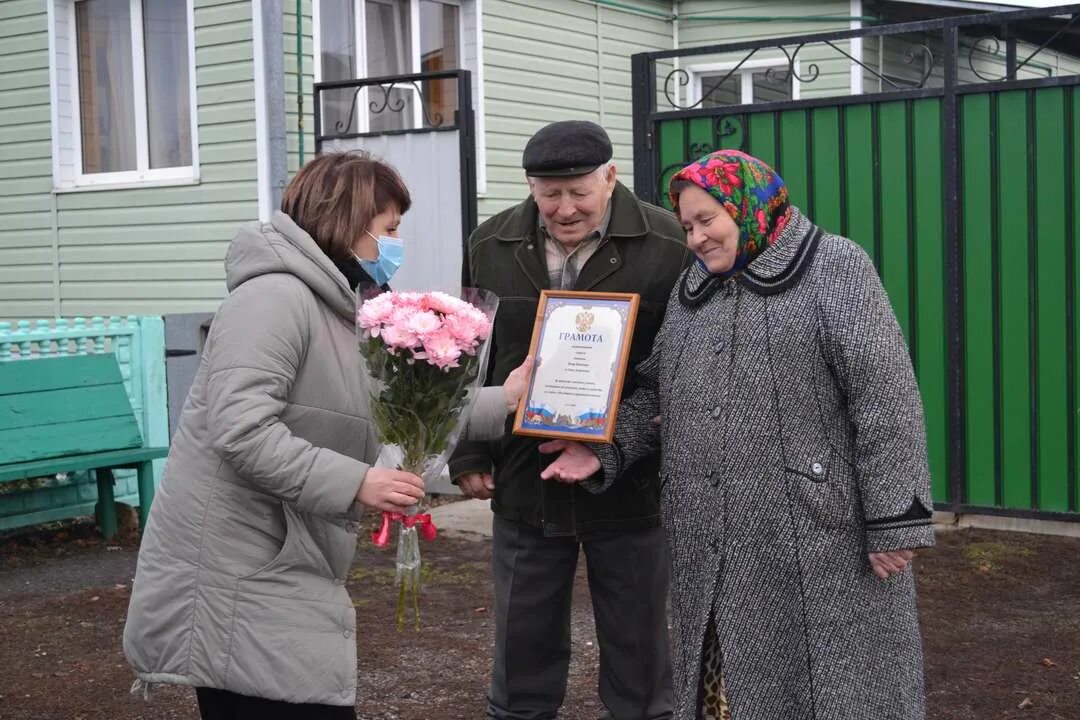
<point>579,229</point>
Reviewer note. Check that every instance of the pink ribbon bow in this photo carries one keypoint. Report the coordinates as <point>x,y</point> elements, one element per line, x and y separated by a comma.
<point>421,521</point>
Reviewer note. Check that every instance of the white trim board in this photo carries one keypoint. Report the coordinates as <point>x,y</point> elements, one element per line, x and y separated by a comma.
<point>262,129</point>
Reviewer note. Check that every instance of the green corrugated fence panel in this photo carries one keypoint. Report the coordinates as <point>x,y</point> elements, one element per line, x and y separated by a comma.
<point>1051,352</point>
<point>858,171</point>
<point>673,154</point>
<point>792,161</point>
<point>139,345</point>
<point>700,138</point>
<point>930,351</point>
<point>1010,244</point>
<point>762,127</point>
<point>1072,129</point>
<point>826,168</point>
<point>895,243</point>
<point>978,301</point>
<point>873,172</point>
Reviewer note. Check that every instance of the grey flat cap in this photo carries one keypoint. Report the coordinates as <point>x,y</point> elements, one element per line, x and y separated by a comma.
<point>565,149</point>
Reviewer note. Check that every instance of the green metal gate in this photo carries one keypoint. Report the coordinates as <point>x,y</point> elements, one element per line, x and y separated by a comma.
<point>964,194</point>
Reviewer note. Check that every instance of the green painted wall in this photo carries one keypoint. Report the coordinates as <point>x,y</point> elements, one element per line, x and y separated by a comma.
<point>559,60</point>
<point>150,250</point>
<point>26,235</point>
<point>160,250</point>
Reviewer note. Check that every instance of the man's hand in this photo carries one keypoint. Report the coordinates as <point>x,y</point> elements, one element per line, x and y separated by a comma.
<point>886,564</point>
<point>517,382</point>
<point>390,490</point>
<point>477,485</point>
<point>576,463</point>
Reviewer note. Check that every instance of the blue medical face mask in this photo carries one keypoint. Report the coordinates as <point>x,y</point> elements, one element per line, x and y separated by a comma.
<point>382,268</point>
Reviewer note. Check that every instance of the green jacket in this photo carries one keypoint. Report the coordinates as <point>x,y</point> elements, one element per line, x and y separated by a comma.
<point>644,252</point>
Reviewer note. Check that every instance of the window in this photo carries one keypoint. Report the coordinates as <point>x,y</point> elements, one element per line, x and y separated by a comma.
<point>754,82</point>
<point>123,92</point>
<point>376,38</point>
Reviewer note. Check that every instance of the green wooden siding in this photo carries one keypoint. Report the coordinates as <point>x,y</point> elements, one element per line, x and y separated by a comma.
<point>559,60</point>
<point>118,251</point>
<point>160,250</point>
<point>26,234</point>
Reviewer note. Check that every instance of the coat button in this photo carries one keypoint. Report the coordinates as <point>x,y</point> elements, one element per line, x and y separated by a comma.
<point>614,260</point>
<point>714,544</point>
<point>717,411</point>
<point>818,469</point>
<point>346,633</point>
<point>719,347</point>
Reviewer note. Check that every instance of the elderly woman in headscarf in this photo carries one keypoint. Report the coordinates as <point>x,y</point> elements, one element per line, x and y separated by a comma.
<point>794,485</point>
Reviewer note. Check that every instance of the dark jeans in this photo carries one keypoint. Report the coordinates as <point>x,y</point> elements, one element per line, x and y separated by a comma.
<point>224,705</point>
<point>534,581</point>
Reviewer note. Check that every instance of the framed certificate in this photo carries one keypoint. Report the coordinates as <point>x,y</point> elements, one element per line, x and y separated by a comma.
<point>580,348</point>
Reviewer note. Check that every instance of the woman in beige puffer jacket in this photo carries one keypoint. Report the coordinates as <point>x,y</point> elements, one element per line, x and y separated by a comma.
<point>240,585</point>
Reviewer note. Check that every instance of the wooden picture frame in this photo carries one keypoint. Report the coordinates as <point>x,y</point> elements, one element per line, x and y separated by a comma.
<point>580,348</point>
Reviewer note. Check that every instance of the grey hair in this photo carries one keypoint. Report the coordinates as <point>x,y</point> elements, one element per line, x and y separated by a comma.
<point>602,170</point>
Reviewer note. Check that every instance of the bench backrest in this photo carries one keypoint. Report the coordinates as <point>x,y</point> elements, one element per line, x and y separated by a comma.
<point>59,406</point>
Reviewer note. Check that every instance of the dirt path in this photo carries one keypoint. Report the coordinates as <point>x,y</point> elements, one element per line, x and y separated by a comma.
<point>1001,621</point>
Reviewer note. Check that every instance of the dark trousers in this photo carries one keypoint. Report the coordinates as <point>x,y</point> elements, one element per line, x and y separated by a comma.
<point>534,579</point>
<point>224,705</point>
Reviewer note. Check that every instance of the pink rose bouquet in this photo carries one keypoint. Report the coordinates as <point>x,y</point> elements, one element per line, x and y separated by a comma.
<point>424,355</point>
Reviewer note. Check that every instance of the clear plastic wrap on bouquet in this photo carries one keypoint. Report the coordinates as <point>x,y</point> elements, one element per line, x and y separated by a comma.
<point>424,356</point>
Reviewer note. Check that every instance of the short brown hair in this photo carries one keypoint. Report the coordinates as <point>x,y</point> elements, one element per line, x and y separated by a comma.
<point>335,197</point>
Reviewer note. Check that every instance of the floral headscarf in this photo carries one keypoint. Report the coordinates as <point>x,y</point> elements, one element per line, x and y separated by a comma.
<point>752,193</point>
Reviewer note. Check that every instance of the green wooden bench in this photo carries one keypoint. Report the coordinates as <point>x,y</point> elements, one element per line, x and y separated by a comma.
<point>69,414</point>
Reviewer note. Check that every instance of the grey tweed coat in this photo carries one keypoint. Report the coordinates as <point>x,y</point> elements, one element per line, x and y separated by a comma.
<point>793,444</point>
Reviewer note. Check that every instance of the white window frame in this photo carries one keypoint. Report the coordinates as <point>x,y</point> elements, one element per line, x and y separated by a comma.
<point>473,8</point>
<point>745,73</point>
<point>73,178</point>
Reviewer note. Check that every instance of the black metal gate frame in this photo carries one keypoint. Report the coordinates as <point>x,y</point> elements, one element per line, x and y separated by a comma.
<point>463,121</point>
<point>646,171</point>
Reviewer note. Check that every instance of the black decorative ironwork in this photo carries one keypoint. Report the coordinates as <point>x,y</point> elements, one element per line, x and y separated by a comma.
<point>391,103</point>
<point>1010,72</point>
<point>730,126</point>
<point>914,52</point>
<point>975,48</point>
<point>917,52</point>
<point>684,81</point>
<point>790,70</point>
<point>813,71</point>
